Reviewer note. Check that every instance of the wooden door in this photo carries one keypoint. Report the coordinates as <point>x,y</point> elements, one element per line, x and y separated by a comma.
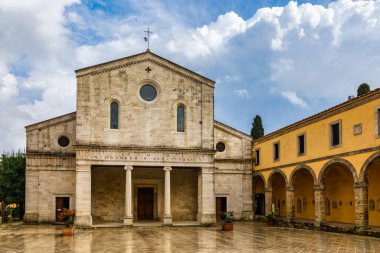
<point>145,203</point>
<point>260,204</point>
<point>220,207</point>
<point>60,203</point>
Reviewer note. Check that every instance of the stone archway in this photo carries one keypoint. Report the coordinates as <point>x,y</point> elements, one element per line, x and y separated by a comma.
<point>302,181</point>
<point>278,183</point>
<point>258,189</point>
<point>338,177</point>
<point>370,176</point>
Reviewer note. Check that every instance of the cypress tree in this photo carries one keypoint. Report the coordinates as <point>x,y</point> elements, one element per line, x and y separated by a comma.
<point>257,130</point>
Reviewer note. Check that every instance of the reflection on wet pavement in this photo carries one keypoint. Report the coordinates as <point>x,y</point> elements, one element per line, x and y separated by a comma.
<point>246,237</point>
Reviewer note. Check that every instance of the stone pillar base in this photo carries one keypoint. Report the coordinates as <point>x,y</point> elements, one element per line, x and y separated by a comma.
<point>30,218</point>
<point>168,220</point>
<point>128,221</point>
<point>83,221</point>
<point>247,215</point>
<point>207,219</point>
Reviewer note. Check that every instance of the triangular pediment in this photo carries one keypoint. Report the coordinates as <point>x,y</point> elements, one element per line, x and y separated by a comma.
<point>147,56</point>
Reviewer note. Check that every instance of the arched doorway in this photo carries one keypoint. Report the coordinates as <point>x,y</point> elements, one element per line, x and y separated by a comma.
<point>259,195</point>
<point>339,190</point>
<point>372,178</point>
<point>303,185</point>
<point>278,183</point>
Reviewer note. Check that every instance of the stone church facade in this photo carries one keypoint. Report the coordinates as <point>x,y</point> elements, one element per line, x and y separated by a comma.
<point>142,145</point>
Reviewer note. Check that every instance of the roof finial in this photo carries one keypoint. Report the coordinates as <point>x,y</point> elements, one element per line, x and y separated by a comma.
<point>147,38</point>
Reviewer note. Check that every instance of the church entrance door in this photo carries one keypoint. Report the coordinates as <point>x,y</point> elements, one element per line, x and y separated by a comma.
<point>145,203</point>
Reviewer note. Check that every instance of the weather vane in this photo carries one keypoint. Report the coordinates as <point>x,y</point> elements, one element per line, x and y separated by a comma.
<point>147,37</point>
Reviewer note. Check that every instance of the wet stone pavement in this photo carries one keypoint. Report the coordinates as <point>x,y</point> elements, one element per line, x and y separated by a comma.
<point>246,237</point>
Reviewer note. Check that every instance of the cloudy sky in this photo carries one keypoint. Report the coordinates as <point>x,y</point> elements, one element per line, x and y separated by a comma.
<point>279,59</point>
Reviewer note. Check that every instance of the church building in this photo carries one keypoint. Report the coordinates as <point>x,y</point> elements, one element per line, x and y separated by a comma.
<point>142,145</point>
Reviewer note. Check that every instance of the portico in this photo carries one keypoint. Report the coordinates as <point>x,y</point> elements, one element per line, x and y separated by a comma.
<point>152,182</point>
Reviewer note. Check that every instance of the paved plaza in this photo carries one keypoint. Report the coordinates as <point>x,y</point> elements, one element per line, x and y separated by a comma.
<point>247,237</point>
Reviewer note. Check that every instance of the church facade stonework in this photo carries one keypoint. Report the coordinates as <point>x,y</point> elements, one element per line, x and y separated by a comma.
<point>142,145</point>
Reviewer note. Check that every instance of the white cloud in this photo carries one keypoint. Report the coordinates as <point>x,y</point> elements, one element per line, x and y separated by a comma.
<point>243,93</point>
<point>294,99</point>
<point>35,58</point>
<point>8,84</point>
<point>307,52</point>
<point>208,39</point>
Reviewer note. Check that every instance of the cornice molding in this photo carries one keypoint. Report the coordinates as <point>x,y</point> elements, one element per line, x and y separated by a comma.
<point>49,154</point>
<point>81,147</point>
<point>246,161</point>
<point>141,58</point>
<point>232,131</point>
<point>52,122</point>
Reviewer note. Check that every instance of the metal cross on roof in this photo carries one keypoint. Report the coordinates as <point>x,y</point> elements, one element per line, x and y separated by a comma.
<point>147,36</point>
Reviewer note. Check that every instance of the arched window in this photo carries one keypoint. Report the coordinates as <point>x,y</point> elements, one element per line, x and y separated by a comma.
<point>114,119</point>
<point>180,118</point>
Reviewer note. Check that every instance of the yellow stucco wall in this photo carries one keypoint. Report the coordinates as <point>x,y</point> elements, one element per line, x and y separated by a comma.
<point>339,190</point>
<point>374,194</point>
<point>318,138</point>
<point>355,149</point>
<point>304,194</point>
<point>259,186</point>
<point>279,195</point>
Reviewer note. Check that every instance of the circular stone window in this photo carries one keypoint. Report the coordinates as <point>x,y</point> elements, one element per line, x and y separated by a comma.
<point>63,141</point>
<point>220,146</point>
<point>148,92</point>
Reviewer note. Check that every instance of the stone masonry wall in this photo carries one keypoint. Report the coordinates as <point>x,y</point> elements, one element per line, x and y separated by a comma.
<point>144,123</point>
<point>107,194</point>
<point>233,170</point>
<point>43,136</point>
<point>54,184</point>
<point>184,194</point>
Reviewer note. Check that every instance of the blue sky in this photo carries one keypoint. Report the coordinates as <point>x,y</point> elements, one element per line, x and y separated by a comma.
<point>282,60</point>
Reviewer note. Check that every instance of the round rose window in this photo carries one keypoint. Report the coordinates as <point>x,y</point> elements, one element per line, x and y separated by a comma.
<point>148,92</point>
<point>63,141</point>
<point>220,146</point>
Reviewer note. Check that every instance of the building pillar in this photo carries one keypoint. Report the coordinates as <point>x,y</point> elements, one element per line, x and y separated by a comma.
<point>247,213</point>
<point>83,216</point>
<point>206,196</point>
<point>268,201</point>
<point>320,209</point>
<point>168,219</point>
<point>128,219</point>
<point>290,208</point>
<point>31,197</point>
<point>361,205</point>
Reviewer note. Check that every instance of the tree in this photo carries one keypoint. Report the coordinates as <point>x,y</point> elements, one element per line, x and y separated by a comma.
<point>12,180</point>
<point>363,89</point>
<point>257,130</point>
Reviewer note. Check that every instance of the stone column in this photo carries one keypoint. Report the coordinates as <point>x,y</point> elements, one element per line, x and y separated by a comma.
<point>168,220</point>
<point>83,216</point>
<point>320,209</point>
<point>361,205</point>
<point>206,196</point>
<point>290,209</point>
<point>268,201</point>
<point>128,219</point>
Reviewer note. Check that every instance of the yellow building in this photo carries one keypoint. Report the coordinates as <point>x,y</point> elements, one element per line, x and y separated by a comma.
<point>324,169</point>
